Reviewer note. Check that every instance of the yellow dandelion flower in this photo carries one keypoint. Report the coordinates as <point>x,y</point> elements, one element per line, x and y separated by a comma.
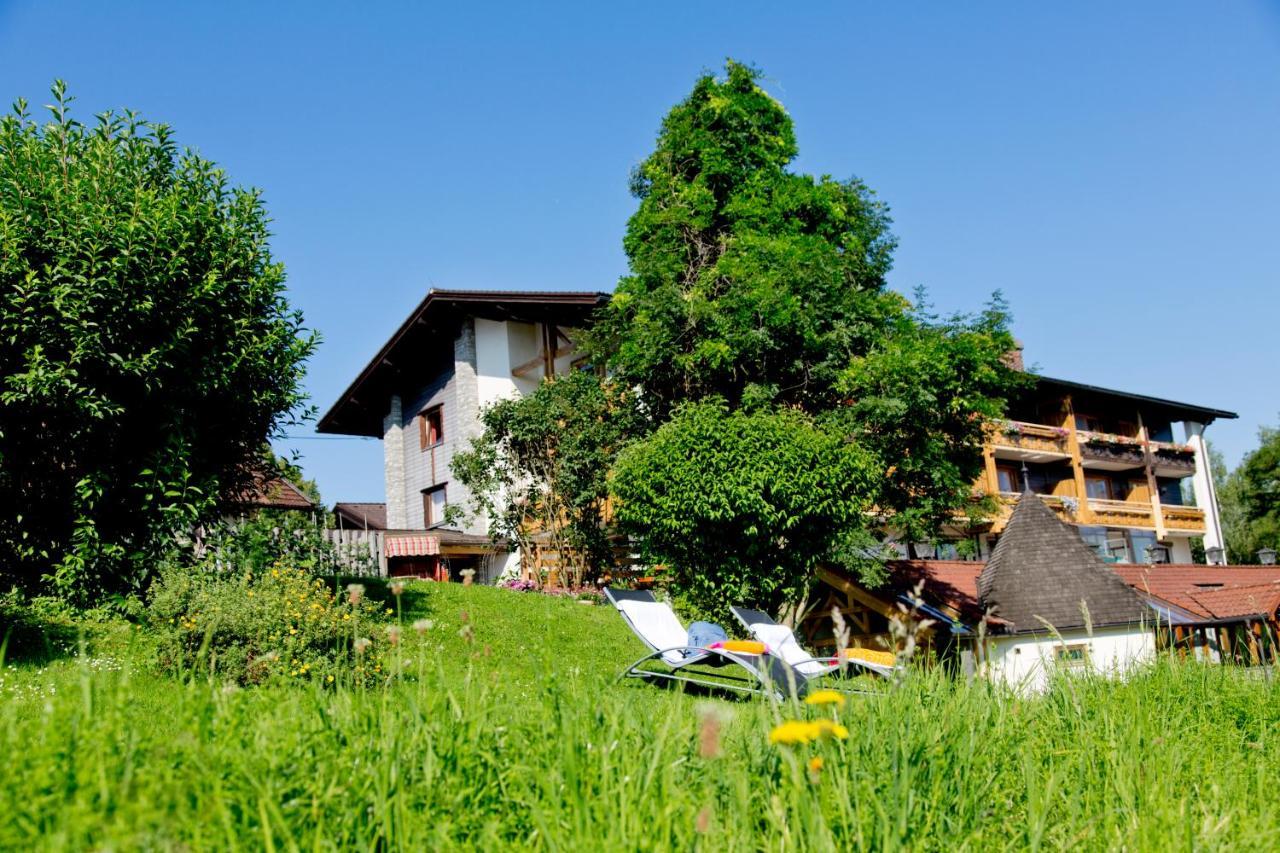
<point>293,630</point>
<point>815,764</point>
<point>825,697</point>
<point>329,679</point>
<point>829,729</point>
<point>791,732</point>
<point>390,612</point>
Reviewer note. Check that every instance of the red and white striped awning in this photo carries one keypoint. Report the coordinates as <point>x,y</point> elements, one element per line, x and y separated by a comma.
<point>412,546</point>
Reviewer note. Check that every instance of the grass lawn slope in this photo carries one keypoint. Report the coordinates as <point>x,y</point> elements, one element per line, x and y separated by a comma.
<point>502,727</point>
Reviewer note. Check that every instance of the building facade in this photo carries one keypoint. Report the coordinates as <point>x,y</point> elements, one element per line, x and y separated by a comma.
<point>424,391</point>
<point>1131,473</point>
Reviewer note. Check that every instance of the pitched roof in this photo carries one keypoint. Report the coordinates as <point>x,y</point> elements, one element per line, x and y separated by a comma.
<point>1210,592</point>
<point>434,323</point>
<point>1042,572</point>
<point>273,493</point>
<point>361,516</point>
<point>951,585</point>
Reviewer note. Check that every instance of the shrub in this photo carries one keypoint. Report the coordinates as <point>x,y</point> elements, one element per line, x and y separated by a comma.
<point>740,506</point>
<point>147,344</point>
<point>250,627</point>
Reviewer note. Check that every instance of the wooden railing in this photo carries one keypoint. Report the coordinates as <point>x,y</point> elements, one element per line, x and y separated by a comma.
<point>1028,436</point>
<point>1183,518</point>
<point>1121,512</point>
<point>1112,448</point>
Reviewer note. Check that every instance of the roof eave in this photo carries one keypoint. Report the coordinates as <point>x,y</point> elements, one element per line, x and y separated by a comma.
<point>330,421</point>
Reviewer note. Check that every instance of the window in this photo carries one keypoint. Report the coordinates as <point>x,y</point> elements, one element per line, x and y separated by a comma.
<point>1095,538</point>
<point>1089,423</point>
<point>1098,488</point>
<point>431,427</point>
<point>1074,655</point>
<point>1007,477</point>
<point>1144,545</point>
<point>434,504</point>
<point>1170,492</point>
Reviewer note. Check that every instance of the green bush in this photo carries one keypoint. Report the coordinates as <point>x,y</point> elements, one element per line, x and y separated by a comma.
<point>740,506</point>
<point>147,344</point>
<point>250,627</point>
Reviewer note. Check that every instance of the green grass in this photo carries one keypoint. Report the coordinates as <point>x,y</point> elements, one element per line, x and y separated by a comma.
<point>519,737</point>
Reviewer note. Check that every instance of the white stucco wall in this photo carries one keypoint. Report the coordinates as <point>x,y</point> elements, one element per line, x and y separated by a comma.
<point>1179,549</point>
<point>493,362</point>
<point>1023,662</point>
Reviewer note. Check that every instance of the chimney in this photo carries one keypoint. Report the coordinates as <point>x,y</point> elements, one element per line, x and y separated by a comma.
<point>1013,358</point>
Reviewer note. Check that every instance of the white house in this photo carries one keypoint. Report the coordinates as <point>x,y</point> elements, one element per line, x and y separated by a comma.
<point>1053,605</point>
<point>422,394</point>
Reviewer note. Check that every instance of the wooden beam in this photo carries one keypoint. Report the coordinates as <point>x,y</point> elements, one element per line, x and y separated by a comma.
<point>525,367</point>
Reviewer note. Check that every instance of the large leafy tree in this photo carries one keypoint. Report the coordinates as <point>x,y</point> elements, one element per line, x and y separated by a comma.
<point>747,281</point>
<point>147,349</point>
<point>764,290</point>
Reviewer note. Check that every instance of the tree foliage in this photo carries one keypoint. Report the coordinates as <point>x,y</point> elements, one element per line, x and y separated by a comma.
<point>540,467</point>
<point>147,350</point>
<point>748,281</point>
<point>1249,499</point>
<point>741,506</point>
<point>919,401</point>
<point>764,290</point>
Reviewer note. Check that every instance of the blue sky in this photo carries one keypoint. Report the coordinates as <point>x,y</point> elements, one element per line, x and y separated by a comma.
<point>1111,167</point>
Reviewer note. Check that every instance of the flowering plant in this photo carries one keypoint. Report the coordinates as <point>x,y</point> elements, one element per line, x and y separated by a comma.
<point>251,627</point>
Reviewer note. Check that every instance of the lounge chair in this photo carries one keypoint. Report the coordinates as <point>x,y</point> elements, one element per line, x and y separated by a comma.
<point>782,641</point>
<point>658,627</point>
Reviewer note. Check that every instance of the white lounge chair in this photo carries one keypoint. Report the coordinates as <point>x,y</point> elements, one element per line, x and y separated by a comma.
<point>782,641</point>
<point>658,627</point>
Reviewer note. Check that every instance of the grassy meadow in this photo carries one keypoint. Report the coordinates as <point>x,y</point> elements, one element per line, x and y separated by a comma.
<point>502,726</point>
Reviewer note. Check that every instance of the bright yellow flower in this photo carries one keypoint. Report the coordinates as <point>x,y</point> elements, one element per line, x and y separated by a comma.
<point>799,731</point>
<point>815,764</point>
<point>792,732</point>
<point>330,679</point>
<point>825,697</point>
<point>829,729</point>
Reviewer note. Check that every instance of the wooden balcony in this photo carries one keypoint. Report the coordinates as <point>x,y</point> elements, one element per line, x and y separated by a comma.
<point>1188,518</point>
<point>1029,442</point>
<point>1063,507</point>
<point>1107,452</point>
<point>1172,460</point>
<point>1122,513</point>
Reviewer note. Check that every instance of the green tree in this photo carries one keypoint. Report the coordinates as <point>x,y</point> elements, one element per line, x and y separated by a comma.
<point>747,281</point>
<point>147,350</point>
<point>1249,499</point>
<point>540,467</point>
<point>919,402</point>
<point>765,290</point>
<point>742,506</point>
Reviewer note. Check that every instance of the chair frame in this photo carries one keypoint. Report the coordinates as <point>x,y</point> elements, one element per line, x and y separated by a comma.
<point>750,618</point>
<point>769,675</point>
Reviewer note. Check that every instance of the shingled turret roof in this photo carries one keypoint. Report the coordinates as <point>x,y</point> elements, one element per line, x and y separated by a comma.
<point>1042,570</point>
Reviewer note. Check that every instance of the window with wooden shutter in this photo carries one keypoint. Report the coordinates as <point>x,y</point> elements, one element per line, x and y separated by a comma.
<point>431,427</point>
<point>434,503</point>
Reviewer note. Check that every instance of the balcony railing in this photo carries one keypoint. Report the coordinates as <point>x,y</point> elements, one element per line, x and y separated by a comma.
<point>1062,506</point>
<point>1172,460</point>
<point>1121,513</point>
<point>1106,450</point>
<point>1183,518</point>
<point>1030,440</point>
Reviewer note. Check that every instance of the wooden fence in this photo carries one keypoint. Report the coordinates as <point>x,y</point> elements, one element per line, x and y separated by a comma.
<point>359,552</point>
